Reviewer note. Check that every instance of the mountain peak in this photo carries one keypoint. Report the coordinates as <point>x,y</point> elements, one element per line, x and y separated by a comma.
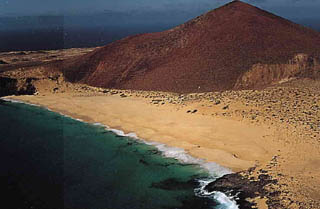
<point>238,3</point>
<point>209,53</point>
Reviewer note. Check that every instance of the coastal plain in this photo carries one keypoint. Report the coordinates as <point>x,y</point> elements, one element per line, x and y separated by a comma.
<point>273,131</point>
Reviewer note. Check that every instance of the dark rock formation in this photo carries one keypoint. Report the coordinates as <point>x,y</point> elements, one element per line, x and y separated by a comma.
<point>244,188</point>
<point>237,46</point>
<point>8,86</point>
<point>11,86</point>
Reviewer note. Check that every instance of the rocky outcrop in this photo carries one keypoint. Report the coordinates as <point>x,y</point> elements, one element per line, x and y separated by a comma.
<point>243,189</point>
<point>261,75</point>
<point>8,86</point>
<point>12,86</point>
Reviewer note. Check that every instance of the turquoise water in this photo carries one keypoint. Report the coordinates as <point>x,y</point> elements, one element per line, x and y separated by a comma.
<point>52,161</point>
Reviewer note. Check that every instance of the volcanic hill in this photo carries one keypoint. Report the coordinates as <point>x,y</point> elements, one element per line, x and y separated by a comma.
<point>236,46</point>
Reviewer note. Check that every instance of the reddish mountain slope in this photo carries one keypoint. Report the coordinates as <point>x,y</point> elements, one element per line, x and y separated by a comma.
<point>209,53</point>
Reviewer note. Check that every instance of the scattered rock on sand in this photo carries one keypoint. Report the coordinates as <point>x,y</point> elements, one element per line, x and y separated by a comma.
<point>226,107</point>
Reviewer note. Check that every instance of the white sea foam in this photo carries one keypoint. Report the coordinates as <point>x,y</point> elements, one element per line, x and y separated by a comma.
<point>182,156</point>
<point>98,124</point>
<point>214,169</point>
<point>18,101</point>
<point>225,202</point>
<point>11,100</point>
<point>119,132</point>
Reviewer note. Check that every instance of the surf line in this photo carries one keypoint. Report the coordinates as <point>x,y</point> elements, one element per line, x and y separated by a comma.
<point>214,170</point>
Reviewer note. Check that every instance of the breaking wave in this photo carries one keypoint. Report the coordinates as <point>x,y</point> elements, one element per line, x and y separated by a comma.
<point>182,156</point>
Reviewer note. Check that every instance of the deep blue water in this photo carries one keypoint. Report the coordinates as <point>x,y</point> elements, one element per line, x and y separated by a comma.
<point>51,161</point>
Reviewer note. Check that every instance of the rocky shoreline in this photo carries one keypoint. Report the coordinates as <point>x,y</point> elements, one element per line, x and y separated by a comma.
<point>244,189</point>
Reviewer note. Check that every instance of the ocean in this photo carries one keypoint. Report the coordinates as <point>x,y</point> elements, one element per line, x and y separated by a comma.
<point>80,31</point>
<point>53,161</point>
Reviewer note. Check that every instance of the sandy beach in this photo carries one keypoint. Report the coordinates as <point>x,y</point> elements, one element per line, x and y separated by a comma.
<point>227,128</point>
<point>229,143</point>
<point>273,131</point>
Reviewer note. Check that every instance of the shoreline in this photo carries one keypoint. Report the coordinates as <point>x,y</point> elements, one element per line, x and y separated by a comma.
<point>214,170</point>
<point>196,148</point>
<point>257,134</point>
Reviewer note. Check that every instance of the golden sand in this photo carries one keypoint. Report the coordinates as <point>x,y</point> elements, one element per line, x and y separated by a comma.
<point>238,133</point>
<point>230,143</point>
